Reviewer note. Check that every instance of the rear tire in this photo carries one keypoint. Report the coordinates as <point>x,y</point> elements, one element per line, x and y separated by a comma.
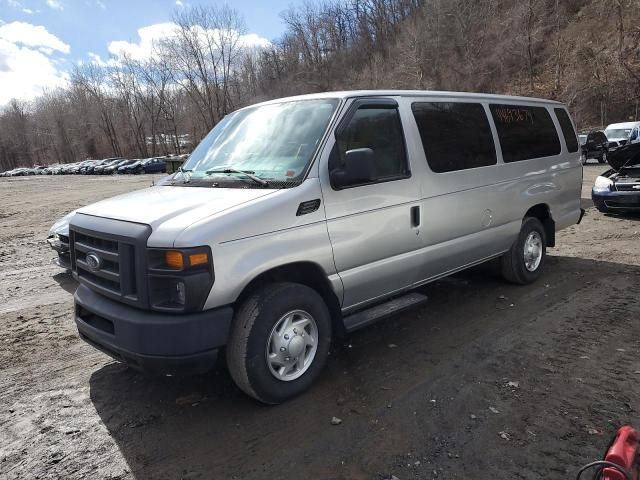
<point>523,263</point>
<point>268,357</point>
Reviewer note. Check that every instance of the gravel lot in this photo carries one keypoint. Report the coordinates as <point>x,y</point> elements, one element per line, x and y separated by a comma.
<point>488,380</point>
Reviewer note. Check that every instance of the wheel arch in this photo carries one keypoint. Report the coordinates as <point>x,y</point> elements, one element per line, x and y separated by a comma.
<point>305,273</point>
<point>542,212</point>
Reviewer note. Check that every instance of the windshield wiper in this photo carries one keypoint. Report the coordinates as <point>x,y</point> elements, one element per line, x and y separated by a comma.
<point>247,173</point>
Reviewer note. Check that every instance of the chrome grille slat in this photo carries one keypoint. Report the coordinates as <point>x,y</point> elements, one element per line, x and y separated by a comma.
<point>97,242</point>
<point>97,285</point>
<point>83,247</point>
<point>113,276</point>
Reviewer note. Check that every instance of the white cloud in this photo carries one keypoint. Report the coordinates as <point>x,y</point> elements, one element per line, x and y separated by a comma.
<point>101,5</point>
<point>14,3</point>
<point>55,4</point>
<point>179,3</point>
<point>32,36</point>
<point>25,73</point>
<point>151,35</point>
<point>26,64</point>
<point>28,11</point>
<point>254,40</point>
<point>98,60</point>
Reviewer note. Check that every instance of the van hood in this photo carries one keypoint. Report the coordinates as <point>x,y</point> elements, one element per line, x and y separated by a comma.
<point>186,205</point>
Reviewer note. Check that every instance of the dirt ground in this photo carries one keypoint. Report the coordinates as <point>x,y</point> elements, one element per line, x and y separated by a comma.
<point>486,381</point>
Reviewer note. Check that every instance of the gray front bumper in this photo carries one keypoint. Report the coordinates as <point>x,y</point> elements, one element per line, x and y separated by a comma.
<point>150,341</point>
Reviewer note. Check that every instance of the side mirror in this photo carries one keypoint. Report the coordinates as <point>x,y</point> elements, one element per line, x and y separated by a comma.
<point>359,167</point>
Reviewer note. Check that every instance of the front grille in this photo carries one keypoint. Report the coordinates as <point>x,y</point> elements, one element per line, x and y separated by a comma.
<point>108,256</point>
<point>628,187</point>
<point>112,268</point>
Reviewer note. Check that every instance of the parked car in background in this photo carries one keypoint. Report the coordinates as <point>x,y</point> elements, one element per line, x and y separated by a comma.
<point>99,169</point>
<point>84,166</point>
<point>130,167</point>
<point>354,200</point>
<point>66,169</point>
<point>112,168</point>
<point>620,134</point>
<point>595,145</point>
<point>618,189</point>
<point>90,169</point>
<point>152,165</point>
<point>58,240</point>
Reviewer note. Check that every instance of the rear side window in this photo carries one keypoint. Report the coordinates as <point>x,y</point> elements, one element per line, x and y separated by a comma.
<point>455,136</point>
<point>567,129</point>
<point>525,132</point>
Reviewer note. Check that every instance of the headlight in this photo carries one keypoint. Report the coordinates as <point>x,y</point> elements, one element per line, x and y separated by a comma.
<point>179,278</point>
<point>602,183</point>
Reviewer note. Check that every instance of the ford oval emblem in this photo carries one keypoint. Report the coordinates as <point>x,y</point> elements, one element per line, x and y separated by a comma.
<point>94,262</point>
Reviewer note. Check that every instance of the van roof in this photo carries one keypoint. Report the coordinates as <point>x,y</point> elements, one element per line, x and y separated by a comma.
<point>622,125</point>
<point>413,93</point>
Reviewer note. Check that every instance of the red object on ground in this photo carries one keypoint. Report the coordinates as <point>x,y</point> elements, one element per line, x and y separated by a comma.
<point>624,452</point>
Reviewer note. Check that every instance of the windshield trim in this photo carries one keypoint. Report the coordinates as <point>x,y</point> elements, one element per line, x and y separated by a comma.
<point>333,121</point>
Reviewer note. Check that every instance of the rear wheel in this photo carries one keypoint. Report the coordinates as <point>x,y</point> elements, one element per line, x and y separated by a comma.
<point>279,342</point>
<point>523,263</point>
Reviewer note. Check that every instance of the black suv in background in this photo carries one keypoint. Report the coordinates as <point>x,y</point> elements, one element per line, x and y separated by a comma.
<point>594,145</point>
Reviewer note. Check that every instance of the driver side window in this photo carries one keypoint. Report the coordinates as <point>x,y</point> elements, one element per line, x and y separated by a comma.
<point>380,130</point>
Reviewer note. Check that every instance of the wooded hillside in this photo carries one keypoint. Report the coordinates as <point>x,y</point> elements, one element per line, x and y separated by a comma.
<point>583,52</point>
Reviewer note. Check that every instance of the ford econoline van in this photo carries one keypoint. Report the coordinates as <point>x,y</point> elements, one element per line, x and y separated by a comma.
<point>303,218</point>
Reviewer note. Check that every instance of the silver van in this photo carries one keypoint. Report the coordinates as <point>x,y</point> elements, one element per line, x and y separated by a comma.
<point>303,218</point>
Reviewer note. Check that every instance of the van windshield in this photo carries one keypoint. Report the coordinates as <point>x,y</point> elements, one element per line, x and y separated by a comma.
<point>273,142</point>
<point>617,132</point>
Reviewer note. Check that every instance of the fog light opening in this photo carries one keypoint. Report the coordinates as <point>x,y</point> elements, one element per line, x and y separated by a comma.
<point>181,294</point>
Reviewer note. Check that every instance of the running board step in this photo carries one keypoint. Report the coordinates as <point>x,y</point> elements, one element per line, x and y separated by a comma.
<point>373,314</point>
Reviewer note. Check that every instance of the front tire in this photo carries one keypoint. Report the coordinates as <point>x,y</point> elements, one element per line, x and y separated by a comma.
<point>523,263</point>
<point>279,342</point>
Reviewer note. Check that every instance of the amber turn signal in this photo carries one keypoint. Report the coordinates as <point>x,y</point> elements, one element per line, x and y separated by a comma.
<point>196,259</point>
<point>174,259</point>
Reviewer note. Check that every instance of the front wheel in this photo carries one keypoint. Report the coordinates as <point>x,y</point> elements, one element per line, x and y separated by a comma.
<point>279,342</point>
<point>523,263</point>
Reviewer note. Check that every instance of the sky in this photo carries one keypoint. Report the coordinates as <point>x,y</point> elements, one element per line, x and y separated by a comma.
<point>42,40</point>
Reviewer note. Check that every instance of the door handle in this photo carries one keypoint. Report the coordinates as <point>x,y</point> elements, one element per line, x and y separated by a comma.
<point>415,216</point>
